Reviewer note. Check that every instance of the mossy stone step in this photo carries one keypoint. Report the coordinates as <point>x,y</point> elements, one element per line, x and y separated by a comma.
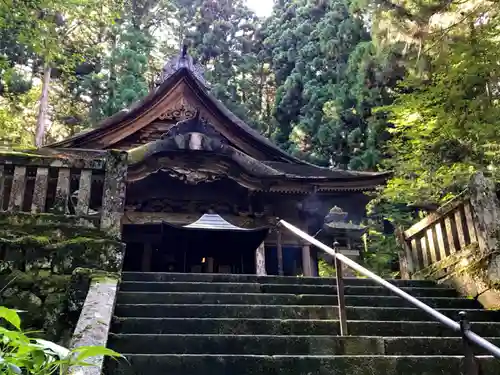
<point>224,326</point>
<point>233,278</point>
<point>197,324</point>
<point>182,364</point>
<point>328,327</point>
<point>205,287</point>
<point>301,299</point>
<point>287,345</point>
<point>291,312</point>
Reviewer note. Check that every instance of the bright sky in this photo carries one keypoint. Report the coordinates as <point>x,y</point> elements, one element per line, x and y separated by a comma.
<point>263,8</point>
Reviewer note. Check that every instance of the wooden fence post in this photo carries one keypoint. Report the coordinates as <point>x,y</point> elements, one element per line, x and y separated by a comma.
<point>405,256</point>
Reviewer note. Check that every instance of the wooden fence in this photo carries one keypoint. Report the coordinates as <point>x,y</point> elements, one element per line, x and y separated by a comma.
<point>447,231</point>
<point>85,183</point>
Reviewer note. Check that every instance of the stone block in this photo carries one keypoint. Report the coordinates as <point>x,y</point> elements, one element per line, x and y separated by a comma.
<point>490,299</point>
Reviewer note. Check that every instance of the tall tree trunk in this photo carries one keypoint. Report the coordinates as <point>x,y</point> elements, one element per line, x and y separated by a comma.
<point>43,106</point>
<point>111,85</point>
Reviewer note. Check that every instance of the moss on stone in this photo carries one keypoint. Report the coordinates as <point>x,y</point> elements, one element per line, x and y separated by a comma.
<point>95,274</point>
<point>137,154</point>
<point>20,153</point>
<point>49,261</point>
<point>40,219</point>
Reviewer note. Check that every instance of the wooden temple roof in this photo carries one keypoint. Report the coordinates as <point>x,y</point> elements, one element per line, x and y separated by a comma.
<point>182,118</point>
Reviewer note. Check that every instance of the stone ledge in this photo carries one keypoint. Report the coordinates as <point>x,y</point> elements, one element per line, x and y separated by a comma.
<point>94,323</point>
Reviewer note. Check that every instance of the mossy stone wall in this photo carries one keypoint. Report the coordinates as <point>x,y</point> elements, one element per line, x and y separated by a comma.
<point>468,271</point>
<point>46,263</point>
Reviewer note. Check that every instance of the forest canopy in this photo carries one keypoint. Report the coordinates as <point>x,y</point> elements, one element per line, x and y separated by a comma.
<point>405,86</point>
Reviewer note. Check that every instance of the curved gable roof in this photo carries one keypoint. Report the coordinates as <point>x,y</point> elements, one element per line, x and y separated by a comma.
<point>176,80</point>
<point>118,123</point>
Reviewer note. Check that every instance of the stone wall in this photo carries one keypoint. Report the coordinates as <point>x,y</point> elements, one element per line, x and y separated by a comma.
<point>60,228</point>
<point>47,262</point>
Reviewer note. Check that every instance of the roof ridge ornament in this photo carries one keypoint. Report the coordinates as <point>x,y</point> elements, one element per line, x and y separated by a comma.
<point>183,61</point>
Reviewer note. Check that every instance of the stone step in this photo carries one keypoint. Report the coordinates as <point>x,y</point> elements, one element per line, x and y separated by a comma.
<point>194,364</point>
<point>227,326</point>
<point>205,287</point>
<point>233,278</point>
<point>288,345</point>
<point>301,299</point>
<point>291,312</point>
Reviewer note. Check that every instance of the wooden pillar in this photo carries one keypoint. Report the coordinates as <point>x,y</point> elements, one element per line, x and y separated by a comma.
<point>279,250</point>
<point>210,265</point>
<point>260,260</point>
<point>406,267</point>
<point>306,260</point>
<point>146,257</point>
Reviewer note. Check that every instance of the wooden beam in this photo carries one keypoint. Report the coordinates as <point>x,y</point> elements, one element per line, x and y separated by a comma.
<point>146,257</point>
<point>460,229</point>
<point>471,229</point>
<point>435,216</point>
<point>406,264</point>
<point>440,241</point>
<point>449,236</point>
<point>279,250</point>
<point>306,260</point>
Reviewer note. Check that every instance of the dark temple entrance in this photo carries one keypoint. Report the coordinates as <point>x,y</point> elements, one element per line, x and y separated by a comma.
<point>209,245</point>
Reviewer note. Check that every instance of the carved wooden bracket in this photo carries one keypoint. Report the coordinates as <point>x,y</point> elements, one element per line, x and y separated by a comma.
<point>191,176</point>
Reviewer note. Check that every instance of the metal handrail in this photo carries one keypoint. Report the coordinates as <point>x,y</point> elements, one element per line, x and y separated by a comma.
<point>463,327</point>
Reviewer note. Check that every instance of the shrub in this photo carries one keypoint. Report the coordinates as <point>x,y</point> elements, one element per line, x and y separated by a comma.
<point>23,355</point>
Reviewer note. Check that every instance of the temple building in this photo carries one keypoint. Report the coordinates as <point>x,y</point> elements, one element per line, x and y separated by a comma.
<point>204,190</point>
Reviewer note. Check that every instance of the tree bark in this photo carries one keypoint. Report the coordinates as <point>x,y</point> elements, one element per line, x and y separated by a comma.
<point>43,106</point>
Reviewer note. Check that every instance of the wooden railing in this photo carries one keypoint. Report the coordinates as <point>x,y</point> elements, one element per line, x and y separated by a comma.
<point>447,231</point>
<point>84,183</point>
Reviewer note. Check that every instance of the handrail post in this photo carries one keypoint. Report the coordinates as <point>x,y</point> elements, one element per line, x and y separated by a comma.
<point>340,293</point>
<point>470,363</point>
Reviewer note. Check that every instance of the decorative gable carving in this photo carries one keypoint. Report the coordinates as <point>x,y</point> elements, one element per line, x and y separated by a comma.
<point>180,111</point>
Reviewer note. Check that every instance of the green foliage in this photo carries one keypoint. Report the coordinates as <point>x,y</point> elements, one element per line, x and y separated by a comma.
<point>444,119</point>
<point>225,38</point>
<point>327,83</point>
<point>407,87</point>
<point>18,117</point>
<point>325,269</point>
<point>129,65</point>
<point>21,354</point>
<point>381,254</point>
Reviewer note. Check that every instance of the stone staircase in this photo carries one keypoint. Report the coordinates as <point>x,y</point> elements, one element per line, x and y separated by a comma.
<point>197,324</point>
